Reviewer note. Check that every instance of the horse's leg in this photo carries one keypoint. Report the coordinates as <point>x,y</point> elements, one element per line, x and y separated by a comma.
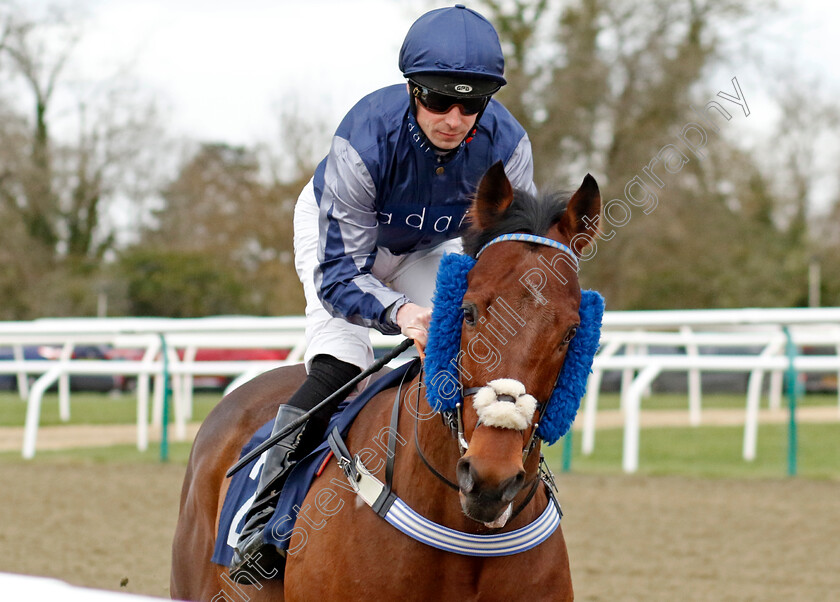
<point>218,443</point>
<point>340,548</point>
<point>189,541</point>
<point>565,589</point>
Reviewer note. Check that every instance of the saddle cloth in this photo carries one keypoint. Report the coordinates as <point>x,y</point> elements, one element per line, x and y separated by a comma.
<point>282,531</point>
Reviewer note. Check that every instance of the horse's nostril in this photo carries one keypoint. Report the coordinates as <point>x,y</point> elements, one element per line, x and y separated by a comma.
<point>512,486</point>
<point>465,475</point>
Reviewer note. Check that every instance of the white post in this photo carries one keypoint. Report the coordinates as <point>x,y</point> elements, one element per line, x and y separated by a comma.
<point>64,383</point>
<point>188,382</point>
<point>143,384</point>
<point>754,401</point>
<point>142,414</point>
<point>627,376</point>
<point>593,387</point>
<point>694,394</point>
<point>33,409</point>
<point>630,459</point>
<point>751,418</point>
<point>22,377</point>
<point>178,402</point>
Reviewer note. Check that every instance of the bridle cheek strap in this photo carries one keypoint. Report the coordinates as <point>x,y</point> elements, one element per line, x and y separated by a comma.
<point>443,373</point>
<point>380,497</point>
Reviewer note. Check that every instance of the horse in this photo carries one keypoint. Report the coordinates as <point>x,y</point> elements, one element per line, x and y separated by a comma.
<point>475,474</point>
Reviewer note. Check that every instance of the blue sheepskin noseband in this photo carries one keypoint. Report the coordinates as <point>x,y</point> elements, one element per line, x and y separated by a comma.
<point>442,380</point>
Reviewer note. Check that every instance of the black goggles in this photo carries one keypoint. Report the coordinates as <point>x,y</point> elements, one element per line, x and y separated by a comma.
<point>442,103</point>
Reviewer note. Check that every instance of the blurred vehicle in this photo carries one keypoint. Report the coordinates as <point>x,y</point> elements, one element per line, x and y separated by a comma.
<point>203,382</point>
<point>819,382</point>
<point>78,382</point>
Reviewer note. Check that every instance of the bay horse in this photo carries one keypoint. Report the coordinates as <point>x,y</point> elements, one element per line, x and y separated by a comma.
<point>475,475</point>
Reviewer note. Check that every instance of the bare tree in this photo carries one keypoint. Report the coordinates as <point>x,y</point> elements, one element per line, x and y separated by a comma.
<point>221,207</point>
<point>603,87</point>
<point>61,189</point>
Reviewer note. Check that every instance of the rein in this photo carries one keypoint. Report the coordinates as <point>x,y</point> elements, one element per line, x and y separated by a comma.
<point>544,473</point>
<point>382,500</point>
<point>553,418</point>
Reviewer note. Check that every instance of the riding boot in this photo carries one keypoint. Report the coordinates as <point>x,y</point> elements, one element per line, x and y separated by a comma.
<point>278,463</point>
<point>326,375</point>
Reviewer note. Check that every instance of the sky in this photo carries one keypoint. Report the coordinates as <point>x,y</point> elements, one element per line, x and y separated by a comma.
<point>221,69</point>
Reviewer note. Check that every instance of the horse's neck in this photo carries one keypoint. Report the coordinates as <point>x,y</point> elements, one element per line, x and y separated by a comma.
<point>414,482</point>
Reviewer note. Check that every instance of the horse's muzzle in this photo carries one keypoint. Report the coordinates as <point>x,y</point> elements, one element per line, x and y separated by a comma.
<point>484,499</point>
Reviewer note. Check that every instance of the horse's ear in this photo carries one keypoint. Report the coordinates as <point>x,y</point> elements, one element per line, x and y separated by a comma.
<point>583,213</point>
<point>494,196</point>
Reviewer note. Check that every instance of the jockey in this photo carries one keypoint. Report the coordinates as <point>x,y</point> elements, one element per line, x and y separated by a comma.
<point>390,198</point>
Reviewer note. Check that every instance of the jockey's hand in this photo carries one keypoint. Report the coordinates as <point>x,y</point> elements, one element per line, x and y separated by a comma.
<point>414,321</point>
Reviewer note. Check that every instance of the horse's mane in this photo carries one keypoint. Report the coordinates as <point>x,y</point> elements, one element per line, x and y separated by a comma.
<point>527,213</point>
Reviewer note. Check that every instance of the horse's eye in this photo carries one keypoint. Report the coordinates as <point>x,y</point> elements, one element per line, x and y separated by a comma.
<point>569,335</point>
<point>469,313</point>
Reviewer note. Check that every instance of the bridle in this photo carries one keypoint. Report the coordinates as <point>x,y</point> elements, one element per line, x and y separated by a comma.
<point>453,417</point>
<point>384,501</point>
<point>453,421</point>
<point>533,239</point>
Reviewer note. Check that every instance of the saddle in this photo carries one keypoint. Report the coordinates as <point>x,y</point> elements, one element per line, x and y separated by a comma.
<point>284,531</point>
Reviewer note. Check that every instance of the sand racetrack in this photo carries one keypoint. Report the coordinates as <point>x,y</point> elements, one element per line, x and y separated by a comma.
<point>629,538</point>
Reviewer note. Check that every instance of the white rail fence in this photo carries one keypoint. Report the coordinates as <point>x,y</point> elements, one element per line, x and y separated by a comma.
<point>749,341</point>
<point>182,339</point>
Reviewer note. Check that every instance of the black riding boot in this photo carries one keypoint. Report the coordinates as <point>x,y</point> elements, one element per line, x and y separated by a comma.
<point>326,375</point>
<point>278,463</point>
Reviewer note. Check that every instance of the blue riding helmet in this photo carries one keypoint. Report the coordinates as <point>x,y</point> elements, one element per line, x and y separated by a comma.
<point>454,51</point>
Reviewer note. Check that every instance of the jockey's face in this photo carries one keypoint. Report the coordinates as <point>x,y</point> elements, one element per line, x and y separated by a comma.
<point>445,130</point>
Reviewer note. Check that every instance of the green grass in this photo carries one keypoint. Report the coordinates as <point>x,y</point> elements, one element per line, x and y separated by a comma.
<point>101,408</point>
<point>703,451</point>
<point>97,409</point>
<point>679,401</point>
<point>708,451</point>
<point>117,454</point>
<point>91,408</point>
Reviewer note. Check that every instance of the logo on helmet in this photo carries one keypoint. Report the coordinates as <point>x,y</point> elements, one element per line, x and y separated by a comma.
<point>463,88</point>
